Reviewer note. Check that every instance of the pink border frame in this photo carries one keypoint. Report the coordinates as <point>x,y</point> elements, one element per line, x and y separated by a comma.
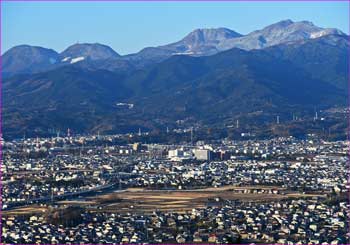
<point>1,98</point>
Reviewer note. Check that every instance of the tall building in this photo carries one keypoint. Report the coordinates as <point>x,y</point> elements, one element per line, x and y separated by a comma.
<point>136,146</point>
<point>202,154</point>
<point>175,153</point>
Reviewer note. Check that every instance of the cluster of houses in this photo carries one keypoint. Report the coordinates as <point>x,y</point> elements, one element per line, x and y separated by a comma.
<point>322,174</point>
<point>283,222</point>
<point>41,169</point>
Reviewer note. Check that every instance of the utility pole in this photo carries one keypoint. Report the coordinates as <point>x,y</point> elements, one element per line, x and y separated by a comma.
<point>191,135</point>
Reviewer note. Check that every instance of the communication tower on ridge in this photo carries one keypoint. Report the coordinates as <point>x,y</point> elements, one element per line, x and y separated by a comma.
<point>140,132</point>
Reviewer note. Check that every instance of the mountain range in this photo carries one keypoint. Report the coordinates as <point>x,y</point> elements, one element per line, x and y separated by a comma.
<point>209,77</point>
<point>200,42</point>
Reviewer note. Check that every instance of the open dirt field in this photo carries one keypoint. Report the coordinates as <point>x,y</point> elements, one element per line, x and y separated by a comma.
<point>139,200</point>
<point>142,200</point>
<point>33,209</point>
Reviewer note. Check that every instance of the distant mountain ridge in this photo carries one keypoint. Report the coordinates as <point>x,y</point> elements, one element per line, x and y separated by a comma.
<point>284,79</point>
<point>28,59</point>
<point>200,42</point>
<point>285,31</point>
<point>210,41</point>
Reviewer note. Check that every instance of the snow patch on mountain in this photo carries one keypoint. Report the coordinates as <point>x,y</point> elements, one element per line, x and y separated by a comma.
<point>317,34</point>
<point>325,32</point>
<point>75,60</point>
<point>65,59</point>
<point>184,53</point>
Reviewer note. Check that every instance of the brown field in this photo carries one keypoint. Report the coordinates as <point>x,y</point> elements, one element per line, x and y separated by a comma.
<point>34,209</point>
<point>301,195</point>
<point>144,201</point>
<point>73,202</point>
<point>139,200</point>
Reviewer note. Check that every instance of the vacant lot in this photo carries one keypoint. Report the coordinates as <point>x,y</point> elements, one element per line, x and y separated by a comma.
<point>33,209</point>
<point>139,200</point>
<point>144,201</point>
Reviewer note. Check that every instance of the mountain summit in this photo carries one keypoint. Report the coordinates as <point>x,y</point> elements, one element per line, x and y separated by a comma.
<point>28,59</point>
<point>202,41</point>
<point>92,51</point>
<point>281,32</point>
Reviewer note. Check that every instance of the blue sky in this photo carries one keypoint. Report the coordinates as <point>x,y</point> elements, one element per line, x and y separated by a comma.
<point>130,26</point>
